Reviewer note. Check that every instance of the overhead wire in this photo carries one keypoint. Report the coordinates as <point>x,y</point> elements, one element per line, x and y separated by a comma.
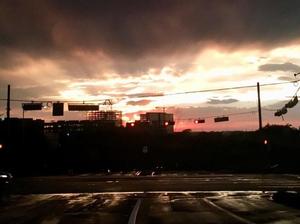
<point>214,116</point>
<point>295,94</point>
<point>51,101</point>
<point>217,89</point>
<point>156,95</point>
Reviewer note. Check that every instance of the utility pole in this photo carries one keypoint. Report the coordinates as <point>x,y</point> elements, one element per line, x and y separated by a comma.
<point>8,137</point>
<point>8,103</point>
<point>259,107</point>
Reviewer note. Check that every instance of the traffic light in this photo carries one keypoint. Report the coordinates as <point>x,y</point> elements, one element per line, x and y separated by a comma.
<point>292,102</point>
<point>171,122</point>
<point>130,124</point>
<point>58,109</point>
<point>281,112</point>
<point>199,121</point>
<point>167,123</point>
<point>221,119</point>
<point>32,106</point>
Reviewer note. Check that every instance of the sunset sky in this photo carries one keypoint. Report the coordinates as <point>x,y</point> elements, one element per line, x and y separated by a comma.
<point>124,50</point>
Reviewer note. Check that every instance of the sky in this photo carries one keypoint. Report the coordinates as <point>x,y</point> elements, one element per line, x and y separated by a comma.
<point>88,50</point>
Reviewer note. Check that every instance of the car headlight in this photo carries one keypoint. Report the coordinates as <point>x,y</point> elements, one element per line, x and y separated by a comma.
<point>3,176</point>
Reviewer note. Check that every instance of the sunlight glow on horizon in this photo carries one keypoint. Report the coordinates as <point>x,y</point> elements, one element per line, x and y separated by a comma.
<point>210,69</point>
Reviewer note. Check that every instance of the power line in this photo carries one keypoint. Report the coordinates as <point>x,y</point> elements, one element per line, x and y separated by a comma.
<point>158,94</point>
<point>51,101</point>
<point>214,90</point>
<point>295,94</point>
<point>267,109</point>
<point>213,116</point>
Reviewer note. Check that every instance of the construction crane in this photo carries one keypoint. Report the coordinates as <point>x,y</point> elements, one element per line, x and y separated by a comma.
<point>109,103</point>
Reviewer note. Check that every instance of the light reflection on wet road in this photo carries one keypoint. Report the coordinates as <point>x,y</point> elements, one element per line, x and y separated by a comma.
<point>170,182</point>
<point>160,207</point>
<point>172,198</point>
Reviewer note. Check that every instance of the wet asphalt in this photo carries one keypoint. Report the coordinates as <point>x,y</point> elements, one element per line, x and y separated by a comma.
<point>172,198</point>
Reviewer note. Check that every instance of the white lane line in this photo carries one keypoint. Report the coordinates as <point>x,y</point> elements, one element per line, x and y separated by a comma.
<point>134,212</point>
<point>240,219</point>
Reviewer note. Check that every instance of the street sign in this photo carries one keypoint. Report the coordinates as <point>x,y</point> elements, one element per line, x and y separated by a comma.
<point>32,106</point>
<point>83,107</point>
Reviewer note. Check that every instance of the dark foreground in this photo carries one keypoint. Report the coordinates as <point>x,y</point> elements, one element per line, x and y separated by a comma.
<point>166,198</point>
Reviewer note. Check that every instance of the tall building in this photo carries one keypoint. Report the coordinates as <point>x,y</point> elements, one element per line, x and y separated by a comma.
<point>159,120</point>
<point>110,116</point>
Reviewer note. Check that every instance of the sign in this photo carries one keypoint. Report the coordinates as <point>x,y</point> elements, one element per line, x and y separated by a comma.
<point>58,109</point>
<point>32,106</point>
<point>199,121</point>
<point>83,107</point>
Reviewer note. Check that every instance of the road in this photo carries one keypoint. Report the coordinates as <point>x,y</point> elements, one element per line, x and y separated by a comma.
<point>167,182</point>
<point>174,199</point>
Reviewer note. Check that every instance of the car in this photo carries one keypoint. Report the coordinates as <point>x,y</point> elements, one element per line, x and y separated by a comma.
<point>5,177</point>
<point>5,182</point>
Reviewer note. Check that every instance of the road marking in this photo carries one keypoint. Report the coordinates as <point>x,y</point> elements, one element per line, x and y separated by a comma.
<point>133,215</point>
<point>242,220</point>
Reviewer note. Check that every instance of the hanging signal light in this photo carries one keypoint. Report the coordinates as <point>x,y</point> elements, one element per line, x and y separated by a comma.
<point>281,112</point>
<point>58,109</point>
<point>199,121</point>
<point>292,102</point>
<point>167,123</point>
<point>221,119</point>
<point>130,124</point>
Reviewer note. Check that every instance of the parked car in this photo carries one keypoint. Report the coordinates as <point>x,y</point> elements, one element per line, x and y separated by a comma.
<point>5,181</point>
<point>5,177</point>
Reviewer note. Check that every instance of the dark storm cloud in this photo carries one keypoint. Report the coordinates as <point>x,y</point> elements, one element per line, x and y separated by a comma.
<point>225,101</point>
<point>31,93</point>
<point>96,90</point>
<point>9,60</point>
<point>285,67</point>
<point>35,92</point>
<point>135,35</point>
<point>138,103</point>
